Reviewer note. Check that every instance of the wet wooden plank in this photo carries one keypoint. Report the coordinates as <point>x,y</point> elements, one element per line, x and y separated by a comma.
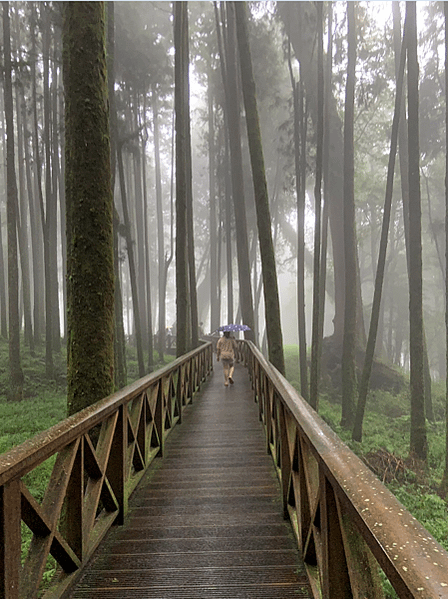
<point>207,520</point>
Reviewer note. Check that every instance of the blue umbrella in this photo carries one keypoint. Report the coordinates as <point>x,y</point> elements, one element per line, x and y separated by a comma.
<point>234,327</point>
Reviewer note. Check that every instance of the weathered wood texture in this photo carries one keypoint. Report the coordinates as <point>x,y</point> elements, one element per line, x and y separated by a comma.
<point>90,483</point>
<point>207,522</point>
<point>347,523</point>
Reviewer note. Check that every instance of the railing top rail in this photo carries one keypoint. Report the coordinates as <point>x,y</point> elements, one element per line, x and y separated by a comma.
<point>399,542</point>
<point>24,457</point>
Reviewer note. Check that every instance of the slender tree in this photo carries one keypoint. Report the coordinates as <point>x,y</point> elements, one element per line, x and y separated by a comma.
<point>315,341</point>
<point>15,368</point>
<point>269,271</point>
<point>131,260</point>
<point>232,103</point>
<point>418,440</point>
<point>90,270</point>
<point>379,279</point>
<point>180,23</point>
<point>194,319</point>
<point>351,267</point>
<point>120,373</point>
<point>444,484</point>
<point>214,250</point>
<point>300,176</point>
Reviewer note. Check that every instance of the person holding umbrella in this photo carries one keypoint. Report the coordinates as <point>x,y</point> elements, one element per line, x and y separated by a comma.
<point>225,350</point>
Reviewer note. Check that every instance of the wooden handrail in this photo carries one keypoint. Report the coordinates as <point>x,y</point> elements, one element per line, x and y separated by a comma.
<point>347,523</point>
<point>91,480</point>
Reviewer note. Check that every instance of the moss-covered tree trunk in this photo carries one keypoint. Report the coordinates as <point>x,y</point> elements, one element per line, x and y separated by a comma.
<point>90,269</point>
<point>269,271</point>
<point>15,369</point>
<point>418,440</point>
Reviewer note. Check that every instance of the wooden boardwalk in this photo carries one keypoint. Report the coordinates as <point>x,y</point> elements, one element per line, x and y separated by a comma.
<point>206,522</point>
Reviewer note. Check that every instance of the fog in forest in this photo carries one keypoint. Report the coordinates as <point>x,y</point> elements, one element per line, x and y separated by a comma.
<point>283,59</point>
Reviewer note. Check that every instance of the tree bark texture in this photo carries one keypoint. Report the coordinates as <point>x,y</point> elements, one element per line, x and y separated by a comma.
<point>15,368</point>
<point>90,268</point>
<point>269,270</point>
<point>232,94</point>
<point>315,340</point>
<point>418,440</point>
<point>379,278</point>
<point>180,17</point>
<point>350,337</point>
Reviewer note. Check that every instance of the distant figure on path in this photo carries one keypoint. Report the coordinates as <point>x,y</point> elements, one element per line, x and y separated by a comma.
<point>225,349</point>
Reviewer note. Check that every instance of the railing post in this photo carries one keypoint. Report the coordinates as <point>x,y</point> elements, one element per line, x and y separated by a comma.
<point>10,540</point>
<point>159,418</point>
<point>335,577</point>
<point>117,468</point>
<point>73,516</point>
<point>285,460</point>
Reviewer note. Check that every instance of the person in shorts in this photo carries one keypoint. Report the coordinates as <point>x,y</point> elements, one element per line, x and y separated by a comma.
<point>225,351</point>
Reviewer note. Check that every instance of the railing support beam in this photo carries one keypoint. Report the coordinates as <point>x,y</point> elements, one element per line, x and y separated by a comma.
<point>10,540</point>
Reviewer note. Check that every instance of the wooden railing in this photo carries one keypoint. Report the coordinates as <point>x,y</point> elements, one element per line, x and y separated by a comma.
<point>99,454</point>
<point>347,524</point>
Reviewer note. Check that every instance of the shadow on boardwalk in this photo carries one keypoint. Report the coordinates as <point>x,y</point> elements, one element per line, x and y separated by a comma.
<point>206,522</point>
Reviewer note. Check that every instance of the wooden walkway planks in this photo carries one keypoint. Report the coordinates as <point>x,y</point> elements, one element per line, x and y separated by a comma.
<point>206,522</point>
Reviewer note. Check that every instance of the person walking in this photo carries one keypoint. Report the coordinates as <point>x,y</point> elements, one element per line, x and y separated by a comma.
<point>225,350</point>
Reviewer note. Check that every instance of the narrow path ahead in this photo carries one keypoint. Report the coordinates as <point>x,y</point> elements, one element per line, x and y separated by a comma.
<point>206,522</point>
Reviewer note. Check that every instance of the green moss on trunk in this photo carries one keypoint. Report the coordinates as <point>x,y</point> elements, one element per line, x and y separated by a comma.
<point>90,272</point>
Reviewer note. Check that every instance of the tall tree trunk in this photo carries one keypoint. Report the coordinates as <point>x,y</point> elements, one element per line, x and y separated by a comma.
<point>418,440</point>
<point>233,120</point>
<point>131,261</point>
<point>15,368</point>
<point>300,119</point>
<point>35,229</point>
<point>214,301</point>
<point>22,215</point>
<point>180,27</point>
<point>161,337</point>
<point>326,170</point>
<point>149,340</point>
<point>90,268</point>
<point>269,270</point>
<point>350,337</point>
<point>55,176</point>
<point>48,212</point>
<point>190,228</point>
<point>404,169</point>
<point>226,164</point>
<point>379,279</point>
<point>3,271</point>
<point>315,341</point>
<point>49,368</point>
<point>444,483</point>
<point>228,230</point>
<point>120,372</point>
<point>139,228</point>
